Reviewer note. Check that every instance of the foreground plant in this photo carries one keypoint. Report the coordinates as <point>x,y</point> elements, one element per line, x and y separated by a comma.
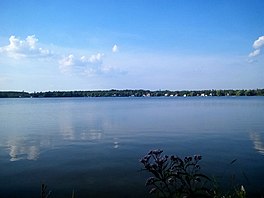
<point>176,177</point>
<point>45,193</point>
<point>237,192</point>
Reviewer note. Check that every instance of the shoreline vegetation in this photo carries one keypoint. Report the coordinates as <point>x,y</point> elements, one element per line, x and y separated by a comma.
<point>176,177</point>
<point>132,93</point>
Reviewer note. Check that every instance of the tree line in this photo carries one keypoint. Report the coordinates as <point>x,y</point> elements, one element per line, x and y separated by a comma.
<point>132,93</point>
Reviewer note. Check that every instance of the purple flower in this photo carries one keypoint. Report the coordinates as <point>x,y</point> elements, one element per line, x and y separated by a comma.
<point>197,157</point>
<point>155,152</point>
<point>172,171</point>
<point>188,159</point>
<point>161,161</point>
<point>145,159</point>
<point>174,158</point>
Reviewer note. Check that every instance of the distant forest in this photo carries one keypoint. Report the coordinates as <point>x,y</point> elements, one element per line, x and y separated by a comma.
<point>131,93</point>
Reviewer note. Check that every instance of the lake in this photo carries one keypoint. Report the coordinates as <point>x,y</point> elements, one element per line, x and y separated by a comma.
<point>93,145</point>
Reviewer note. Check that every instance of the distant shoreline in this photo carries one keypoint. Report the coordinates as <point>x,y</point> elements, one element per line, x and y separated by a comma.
<point>133,93</point>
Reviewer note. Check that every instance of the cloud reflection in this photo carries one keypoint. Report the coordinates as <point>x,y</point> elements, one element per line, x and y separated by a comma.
<point>19,149</point>
<point>92,134</point>
<point>67,132</point>
<point>68,128</point>
<point>26,148</point>
<point>257,141</point>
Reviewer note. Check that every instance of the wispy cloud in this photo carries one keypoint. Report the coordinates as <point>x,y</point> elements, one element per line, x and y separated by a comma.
<point>115,48</point>
<point>18,48</point>
<point>254,53</point>
<point>257,45</point>
<point>86,65</point>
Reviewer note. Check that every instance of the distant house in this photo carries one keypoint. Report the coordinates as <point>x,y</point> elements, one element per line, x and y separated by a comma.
<point>146,95</point>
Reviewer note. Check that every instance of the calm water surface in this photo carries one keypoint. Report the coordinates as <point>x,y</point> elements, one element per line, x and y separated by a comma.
<point>93,145</point>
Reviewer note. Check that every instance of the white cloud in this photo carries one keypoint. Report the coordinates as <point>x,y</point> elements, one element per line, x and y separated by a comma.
<point>86,65</point>
<point>24,48</point>
<point>254,53</point>
<point>29,51</point>
<point>259,42</point>
<point>66,63</point>
<point>115,49</point>
<point>96,58</point>
<point>257,45</point>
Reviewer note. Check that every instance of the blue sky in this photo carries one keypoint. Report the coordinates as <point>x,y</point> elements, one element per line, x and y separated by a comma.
<point>131,44</point>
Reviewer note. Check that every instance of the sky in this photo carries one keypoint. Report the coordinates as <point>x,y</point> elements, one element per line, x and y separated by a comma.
<point>131,44</point>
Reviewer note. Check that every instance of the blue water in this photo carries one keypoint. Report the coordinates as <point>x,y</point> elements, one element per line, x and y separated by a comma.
<point>93,145</point>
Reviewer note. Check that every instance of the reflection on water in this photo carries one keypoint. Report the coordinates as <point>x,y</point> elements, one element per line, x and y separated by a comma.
<point>19,150</point>
<point>257,141</point>
<point>81,141</point>
<point>67,132</point>
<point>92,134</point>
<point>26,148</point>
<point>70,131</point>
<point>66,126</point>
<point>116,143</point>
